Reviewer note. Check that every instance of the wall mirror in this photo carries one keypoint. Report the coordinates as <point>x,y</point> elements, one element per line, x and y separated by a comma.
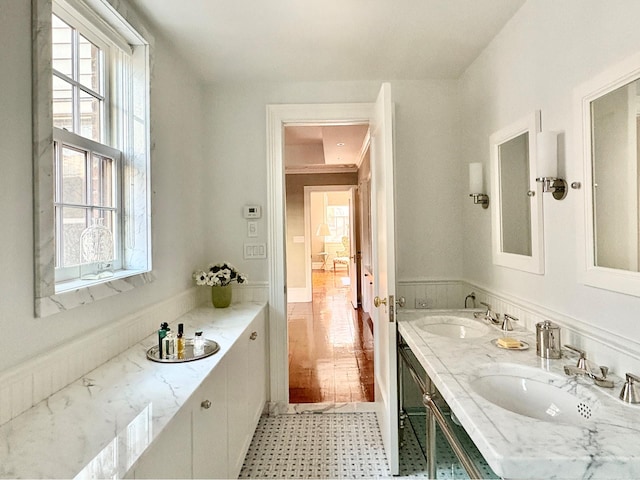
<point>516,213</point>
<point>608,110</point>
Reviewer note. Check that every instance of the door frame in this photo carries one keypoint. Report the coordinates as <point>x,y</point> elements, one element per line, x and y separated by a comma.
<point>279,116</point>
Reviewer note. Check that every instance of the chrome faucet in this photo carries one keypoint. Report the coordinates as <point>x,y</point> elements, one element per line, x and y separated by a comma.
<point>506,322</point>
<point>630,392</point>
<point>489,315</point>
<point>596,373</point>
<point>471,296</point>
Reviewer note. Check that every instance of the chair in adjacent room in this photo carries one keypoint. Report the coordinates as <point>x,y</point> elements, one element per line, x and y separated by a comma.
<point>342,256</point>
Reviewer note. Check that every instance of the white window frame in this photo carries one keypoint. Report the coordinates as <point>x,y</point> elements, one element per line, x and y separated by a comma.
<point>108,47</point>
<point>130,134</point>
<point>63,139</point>
<point>75,140</point>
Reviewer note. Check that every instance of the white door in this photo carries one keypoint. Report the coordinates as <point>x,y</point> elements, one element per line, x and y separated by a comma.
<point>353,260</point>
<point>384,278</point>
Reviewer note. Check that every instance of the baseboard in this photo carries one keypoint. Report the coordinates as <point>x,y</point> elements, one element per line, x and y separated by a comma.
<point>295,295</point>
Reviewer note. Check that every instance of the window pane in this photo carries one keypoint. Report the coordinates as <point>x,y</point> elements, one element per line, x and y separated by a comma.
<point>90,117</point>
<point>74,176</point>
<point>61,42</point>
<point>74,221</point>
<point>338,220</point>
<point>62,104</point>
<point>102,177</point>
<point>89,65</point>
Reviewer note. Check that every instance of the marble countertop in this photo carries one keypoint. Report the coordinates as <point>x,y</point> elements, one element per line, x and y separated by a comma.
<point>516,446</point>
<point>99,425</point>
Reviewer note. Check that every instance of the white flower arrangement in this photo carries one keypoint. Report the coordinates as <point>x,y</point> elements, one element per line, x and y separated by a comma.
<point>219,274</point>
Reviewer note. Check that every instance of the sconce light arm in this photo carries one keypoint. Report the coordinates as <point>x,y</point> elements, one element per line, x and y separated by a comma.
<point>556,186</point>
<point>480,199</point>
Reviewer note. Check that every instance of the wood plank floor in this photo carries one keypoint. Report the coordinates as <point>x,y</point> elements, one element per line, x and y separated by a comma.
<point>330,345</point>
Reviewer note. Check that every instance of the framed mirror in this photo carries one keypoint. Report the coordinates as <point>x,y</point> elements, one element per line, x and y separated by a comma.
<point>516,213</point>
<point>608,112</point>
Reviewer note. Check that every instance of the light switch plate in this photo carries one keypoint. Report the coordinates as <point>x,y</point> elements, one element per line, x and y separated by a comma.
<point>252,229</point>
<point>255,250</point>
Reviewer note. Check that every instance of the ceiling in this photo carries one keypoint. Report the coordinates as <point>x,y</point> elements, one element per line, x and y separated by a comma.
<point>315,149</point>
<point>328,40</point>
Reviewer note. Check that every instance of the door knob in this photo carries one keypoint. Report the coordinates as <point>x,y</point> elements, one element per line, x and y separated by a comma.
<point>377,301</point>
<point>253,335</point>
<point>206,404</point>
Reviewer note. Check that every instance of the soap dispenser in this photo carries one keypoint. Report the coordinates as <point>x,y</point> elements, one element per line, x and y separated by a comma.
<point>169,344</point>
<point>162,333</point>
<point>198,344</point>
<point>548,343</point>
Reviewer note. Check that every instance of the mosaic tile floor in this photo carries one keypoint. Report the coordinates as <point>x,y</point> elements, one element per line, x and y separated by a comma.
<point>341,445</point>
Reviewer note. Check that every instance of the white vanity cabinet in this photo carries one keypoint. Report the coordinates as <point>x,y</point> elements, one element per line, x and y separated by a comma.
<point>246,389</point>
<point>209,425</point>
<point>169,456</point>
<point>258,369</point>
<point>210,435</point>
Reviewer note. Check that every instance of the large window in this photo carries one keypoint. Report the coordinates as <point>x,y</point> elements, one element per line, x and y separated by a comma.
<point>80,78</point>
<point>92,195</point>
<point>87,170</point>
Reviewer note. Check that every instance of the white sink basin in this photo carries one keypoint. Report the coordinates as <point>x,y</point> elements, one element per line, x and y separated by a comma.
<point>536,394</point>
<point>452,326</point>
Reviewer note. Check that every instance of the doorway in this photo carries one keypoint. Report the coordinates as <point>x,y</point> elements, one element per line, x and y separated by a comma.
<point>330,337</point>
<point>379,115</point>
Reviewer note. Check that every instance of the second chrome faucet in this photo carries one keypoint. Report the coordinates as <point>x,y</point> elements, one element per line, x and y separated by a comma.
<point>489,315</point>
<point>584,367</point>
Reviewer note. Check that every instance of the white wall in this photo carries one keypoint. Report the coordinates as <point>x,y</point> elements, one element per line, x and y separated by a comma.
<point>177,163</point>
<point>429,212</point>
<point>540,56</point>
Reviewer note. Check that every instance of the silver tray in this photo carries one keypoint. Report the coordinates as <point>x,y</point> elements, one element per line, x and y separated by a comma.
<point>210,347</point>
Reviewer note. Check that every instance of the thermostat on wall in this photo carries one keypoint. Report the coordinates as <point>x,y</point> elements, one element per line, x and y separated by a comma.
<point>252,211</point>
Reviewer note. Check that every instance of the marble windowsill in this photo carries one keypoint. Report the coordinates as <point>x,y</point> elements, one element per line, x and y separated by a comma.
<point>85,292</point>
<point>516,446</point>
<point>99,425</point>
<point>72,285</point>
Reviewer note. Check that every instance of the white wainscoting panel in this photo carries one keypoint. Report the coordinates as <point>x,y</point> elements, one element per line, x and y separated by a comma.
<point>34,380</point>
<point>438,293</point>
<point>603,347</point>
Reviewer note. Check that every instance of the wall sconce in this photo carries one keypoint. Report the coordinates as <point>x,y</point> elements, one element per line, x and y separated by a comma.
<point>475,185</point>
<point>547,143</point>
